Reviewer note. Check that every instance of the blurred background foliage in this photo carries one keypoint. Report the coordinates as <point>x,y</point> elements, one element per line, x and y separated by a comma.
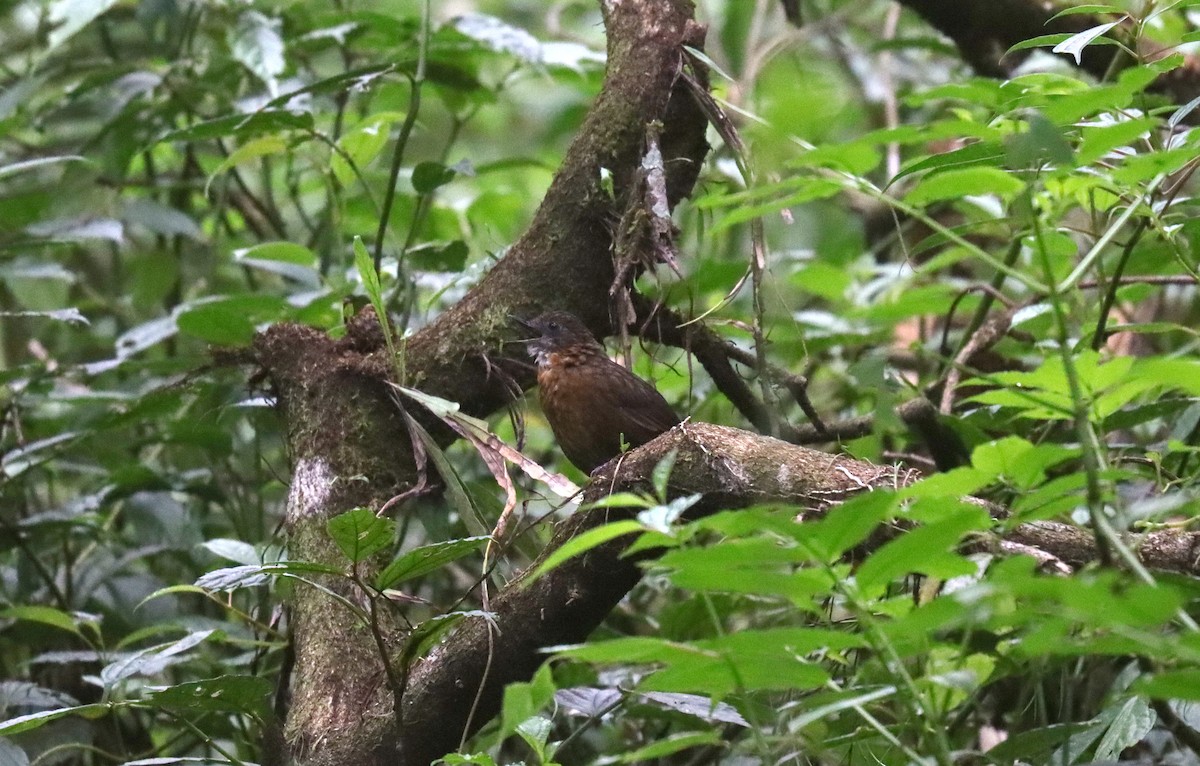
<point>174,175</point>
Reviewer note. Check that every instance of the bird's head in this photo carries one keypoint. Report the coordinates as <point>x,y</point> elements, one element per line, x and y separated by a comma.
<point>557,332</point>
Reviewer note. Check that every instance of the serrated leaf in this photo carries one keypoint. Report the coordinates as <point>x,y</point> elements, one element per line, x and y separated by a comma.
<point>230,578</point>
<point>361,534</point>
<point>365,265</point>
<point>427,558</point>
<point>985,154</point>
<point>1130,724</point>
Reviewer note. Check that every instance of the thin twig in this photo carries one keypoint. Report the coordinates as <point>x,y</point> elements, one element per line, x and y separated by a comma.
<point>410,119</point>
<point>1110,295</point>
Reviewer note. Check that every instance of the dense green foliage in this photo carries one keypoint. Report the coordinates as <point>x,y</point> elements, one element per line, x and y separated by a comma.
<point>176,175</point>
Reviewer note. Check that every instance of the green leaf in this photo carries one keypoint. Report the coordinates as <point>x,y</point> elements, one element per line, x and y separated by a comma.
<point>978,154</point>
<point>536,732</point>
<point>810,189</point>
<point>218,323</point>
<point>1036,745</point>
<point>234,694</point>
<point>365,265</point>
<point>287,259</point>
<point>1143,167</point>
<point>44,615</point>
<point>230,320</point>
<point>451,256</point>
<point>234,550</point>
<point>66,17</point>
<point>153,660</point>
<point>1181,684</point>
<point>425,559</point>
<point>1097,141</point>
<point>670,745</point>
<point>1019,461</point>
<point>361,145</point>
<point>523,700</point>
<point>256,41</point>
<point>243,126</point>
<point>756,565</point>
<point>1074,45</point>
<point>26,165</point>
<point>924,550</point>
<point>845,526</point>
<point>428,176</point>
<point>583,543</point>
<point>246,576</point>
<point>1042,143</point>
<point>14,726</point>
<point>1131,723</point>
<point>361,534</point>
<point>1090,9</point>
<point>961,182</point>
<point>261,146</point>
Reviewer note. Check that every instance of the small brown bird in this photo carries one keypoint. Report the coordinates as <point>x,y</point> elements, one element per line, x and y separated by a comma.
<point>594,405</point>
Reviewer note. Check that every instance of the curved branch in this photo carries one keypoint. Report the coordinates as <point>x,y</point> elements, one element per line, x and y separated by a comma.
<point>729,468</point>
<point>347,436</point>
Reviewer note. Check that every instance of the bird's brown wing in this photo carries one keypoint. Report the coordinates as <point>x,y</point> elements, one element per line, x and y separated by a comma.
<point>643,412</point>
<point>593,408</point>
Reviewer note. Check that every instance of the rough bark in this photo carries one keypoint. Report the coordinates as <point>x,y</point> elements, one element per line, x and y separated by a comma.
<point>345,431</point>
<point>564,260</point>
<point>350,447</point>
<point>341,425</point>
<point>729,468</point>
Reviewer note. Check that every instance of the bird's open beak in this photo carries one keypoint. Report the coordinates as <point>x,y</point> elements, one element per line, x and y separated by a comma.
<point>526,325</point>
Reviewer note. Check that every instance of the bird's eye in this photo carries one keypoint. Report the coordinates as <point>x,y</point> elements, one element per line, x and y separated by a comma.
<point>552,326</point>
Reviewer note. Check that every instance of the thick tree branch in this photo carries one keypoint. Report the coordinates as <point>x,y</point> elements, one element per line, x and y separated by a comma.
<point>729,468</point>
<point>345,431</point>
<point>564,260</point>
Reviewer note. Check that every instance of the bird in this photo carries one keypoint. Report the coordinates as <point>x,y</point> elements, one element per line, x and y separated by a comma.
<point>595,406</point>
